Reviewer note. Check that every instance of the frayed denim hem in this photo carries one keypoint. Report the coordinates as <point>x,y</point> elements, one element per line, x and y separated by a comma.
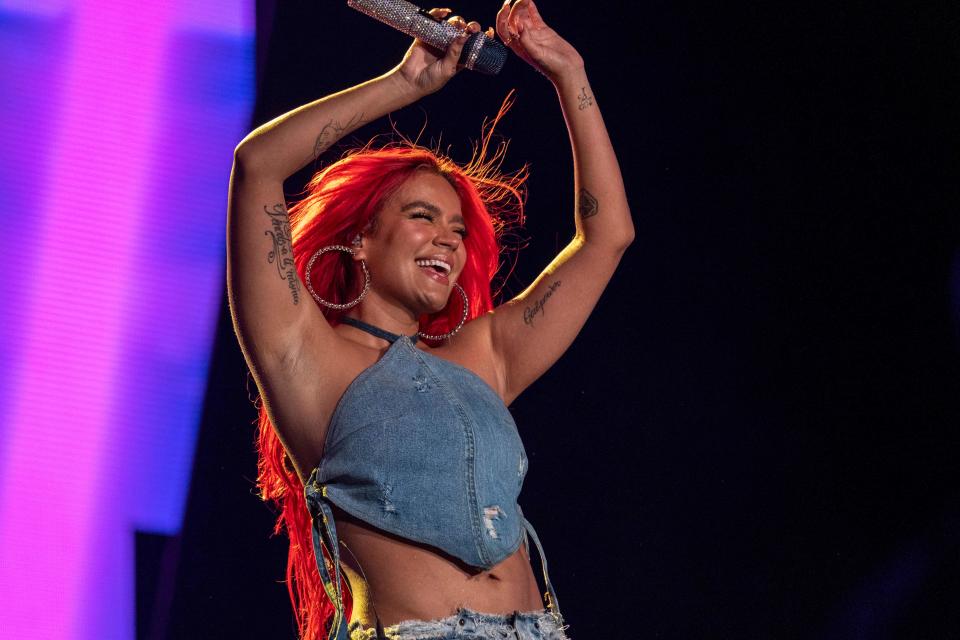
<point>471,625</point>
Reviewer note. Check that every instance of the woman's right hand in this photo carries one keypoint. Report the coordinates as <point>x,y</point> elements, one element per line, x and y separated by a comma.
<point>424,71</point>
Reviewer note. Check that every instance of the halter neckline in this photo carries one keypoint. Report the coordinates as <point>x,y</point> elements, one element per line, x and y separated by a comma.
<point>376,331</point>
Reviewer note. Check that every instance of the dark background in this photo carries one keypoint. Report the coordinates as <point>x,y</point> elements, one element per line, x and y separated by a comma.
<point>756,433</point>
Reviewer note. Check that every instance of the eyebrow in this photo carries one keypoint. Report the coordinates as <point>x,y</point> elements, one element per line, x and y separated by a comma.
<point>429,207</point>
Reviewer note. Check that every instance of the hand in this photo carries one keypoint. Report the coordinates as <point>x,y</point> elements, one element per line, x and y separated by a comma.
<point>424,69</point>
<point>523,30</point>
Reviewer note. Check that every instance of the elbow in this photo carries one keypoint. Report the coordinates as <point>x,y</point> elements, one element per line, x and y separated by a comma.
<point>249,159</point>
<point>613,243</point>
<point>244,157</point>
<point>629,233</point>
<point>624,236</point>
<point>628,237</point>
<point>616,233</point>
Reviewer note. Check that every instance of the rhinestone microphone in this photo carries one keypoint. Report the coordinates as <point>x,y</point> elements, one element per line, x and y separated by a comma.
<point>480,53</point>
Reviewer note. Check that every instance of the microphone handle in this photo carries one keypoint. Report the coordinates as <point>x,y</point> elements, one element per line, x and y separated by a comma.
<point>480,53</point>
<point>410,19</point>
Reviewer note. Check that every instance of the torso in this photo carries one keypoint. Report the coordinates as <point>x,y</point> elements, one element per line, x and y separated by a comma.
<point>391,578</point>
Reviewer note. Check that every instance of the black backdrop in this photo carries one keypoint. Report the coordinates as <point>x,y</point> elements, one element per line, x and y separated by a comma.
<point>755,434</point>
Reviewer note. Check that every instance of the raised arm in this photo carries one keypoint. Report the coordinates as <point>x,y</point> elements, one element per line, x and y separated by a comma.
<point>530,332</point>
<point>272,312</point>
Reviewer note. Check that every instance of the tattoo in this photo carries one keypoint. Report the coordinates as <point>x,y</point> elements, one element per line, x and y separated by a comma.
<point>587,205</point>
<point>530,312</point>
<point>333,131</point>
<point>282,253</point>
<point>585,100</point>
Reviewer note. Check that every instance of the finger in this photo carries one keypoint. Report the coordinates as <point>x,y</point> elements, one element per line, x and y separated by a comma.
<point>502,19</point>
<point>458,22</point>
<point>452,56</point>
<point>440,13</point>
<point>534,12</point>
<point>522,12</point>
<point>514,24</point>
<point>489,32</point>
<point>473,26</point>
<point>519,15</point>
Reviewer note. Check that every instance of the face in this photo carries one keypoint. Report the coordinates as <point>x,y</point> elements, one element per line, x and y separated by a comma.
<point>416,252</point>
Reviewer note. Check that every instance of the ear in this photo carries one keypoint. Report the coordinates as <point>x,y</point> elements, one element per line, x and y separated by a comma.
<point>358,242</point>
<point>359,250</point>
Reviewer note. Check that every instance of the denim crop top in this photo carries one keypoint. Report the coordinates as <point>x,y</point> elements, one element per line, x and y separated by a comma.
<point>424,449</point>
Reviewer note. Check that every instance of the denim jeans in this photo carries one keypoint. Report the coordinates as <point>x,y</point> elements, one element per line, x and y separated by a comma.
<point>471,625</point>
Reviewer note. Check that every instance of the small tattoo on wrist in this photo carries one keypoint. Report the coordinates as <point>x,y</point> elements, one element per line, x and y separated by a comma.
<point>585,100</point>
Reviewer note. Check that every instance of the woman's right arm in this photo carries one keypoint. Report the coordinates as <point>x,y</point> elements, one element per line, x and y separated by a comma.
<point>272,312</point>
<point>270,307</point>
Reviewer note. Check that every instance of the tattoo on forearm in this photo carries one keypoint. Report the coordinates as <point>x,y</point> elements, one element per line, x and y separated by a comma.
<point>282,253</point>
<point>333,131</point>
<point>587,205</point>
<point>537,307</point>
<point>585,100</point>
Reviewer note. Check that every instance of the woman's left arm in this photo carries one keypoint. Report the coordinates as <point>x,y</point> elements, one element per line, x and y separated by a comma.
<point>529,333</point>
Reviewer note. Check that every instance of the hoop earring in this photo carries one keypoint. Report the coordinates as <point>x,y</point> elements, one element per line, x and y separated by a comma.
<point>450,334</point>
<point>333,305</point>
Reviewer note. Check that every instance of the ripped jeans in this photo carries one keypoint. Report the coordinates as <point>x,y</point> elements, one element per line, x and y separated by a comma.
<point>470,625</point>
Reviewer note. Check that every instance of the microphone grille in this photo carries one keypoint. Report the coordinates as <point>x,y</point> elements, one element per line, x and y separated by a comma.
<point>482,54</point>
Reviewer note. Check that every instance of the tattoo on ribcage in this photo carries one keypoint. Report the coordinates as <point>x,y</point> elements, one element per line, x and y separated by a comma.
<point>282,252</point>
<point>585,100</point>
<point>537,307</point>
<point>333,131</point>
<point>587,205</point>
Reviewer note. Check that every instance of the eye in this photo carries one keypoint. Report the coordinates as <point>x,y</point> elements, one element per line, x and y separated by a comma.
<point>463,232</point>
<point>422,214</point>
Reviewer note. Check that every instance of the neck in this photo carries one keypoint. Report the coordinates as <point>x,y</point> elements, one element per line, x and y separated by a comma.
<point>392,319</point>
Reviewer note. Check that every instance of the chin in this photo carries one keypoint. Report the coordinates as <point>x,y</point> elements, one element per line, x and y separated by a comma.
<point>434,304</point>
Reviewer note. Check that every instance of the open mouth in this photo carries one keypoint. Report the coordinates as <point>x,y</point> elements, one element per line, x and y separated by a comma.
<point>435,268</point>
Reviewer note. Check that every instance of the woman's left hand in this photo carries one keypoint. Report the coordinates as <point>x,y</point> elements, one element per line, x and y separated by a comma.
<point>522,28</point>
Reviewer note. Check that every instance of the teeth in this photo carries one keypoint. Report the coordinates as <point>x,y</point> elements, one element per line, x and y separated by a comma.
<point>434,263</point>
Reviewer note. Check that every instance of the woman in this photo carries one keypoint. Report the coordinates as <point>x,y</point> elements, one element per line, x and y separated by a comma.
<point>389,395</point>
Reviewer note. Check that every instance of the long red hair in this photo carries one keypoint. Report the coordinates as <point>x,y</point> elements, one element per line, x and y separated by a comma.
<point>342,201</point>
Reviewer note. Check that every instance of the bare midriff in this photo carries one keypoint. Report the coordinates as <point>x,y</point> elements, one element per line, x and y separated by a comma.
<point>396,579</point>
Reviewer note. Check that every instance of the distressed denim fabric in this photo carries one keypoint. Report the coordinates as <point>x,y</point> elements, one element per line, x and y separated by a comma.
<point>422,448</point>
<point>470,625</point>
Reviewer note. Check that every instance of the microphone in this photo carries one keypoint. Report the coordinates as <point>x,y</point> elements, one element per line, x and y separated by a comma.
<point>480,53</point>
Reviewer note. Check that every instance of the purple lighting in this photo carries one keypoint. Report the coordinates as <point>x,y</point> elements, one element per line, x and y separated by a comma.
<point>122,118</point>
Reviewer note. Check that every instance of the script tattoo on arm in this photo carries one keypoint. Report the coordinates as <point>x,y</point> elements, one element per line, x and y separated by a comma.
<point>585,100</point>
<point>282,252</point>
<point>537,307</point>
<point>587,205</point>
<point>333,131</point>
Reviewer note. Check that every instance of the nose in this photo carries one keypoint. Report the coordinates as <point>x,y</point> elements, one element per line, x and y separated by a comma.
<point>447,238</point>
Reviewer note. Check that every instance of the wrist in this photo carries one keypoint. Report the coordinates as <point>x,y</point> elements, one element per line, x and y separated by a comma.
<point>406,91</point>
<point>572,77</point>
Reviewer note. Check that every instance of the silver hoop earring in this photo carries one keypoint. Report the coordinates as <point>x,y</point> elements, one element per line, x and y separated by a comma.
<point>333,305</point>
<point>451,333</point>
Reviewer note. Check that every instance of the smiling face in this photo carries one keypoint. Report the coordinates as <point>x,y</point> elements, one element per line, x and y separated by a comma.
<point>416,252</point>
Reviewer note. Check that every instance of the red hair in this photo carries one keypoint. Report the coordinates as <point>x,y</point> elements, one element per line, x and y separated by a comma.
<point>341,201</point>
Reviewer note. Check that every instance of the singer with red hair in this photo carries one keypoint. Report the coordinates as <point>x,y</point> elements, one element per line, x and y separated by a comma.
<point>366,315</point>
